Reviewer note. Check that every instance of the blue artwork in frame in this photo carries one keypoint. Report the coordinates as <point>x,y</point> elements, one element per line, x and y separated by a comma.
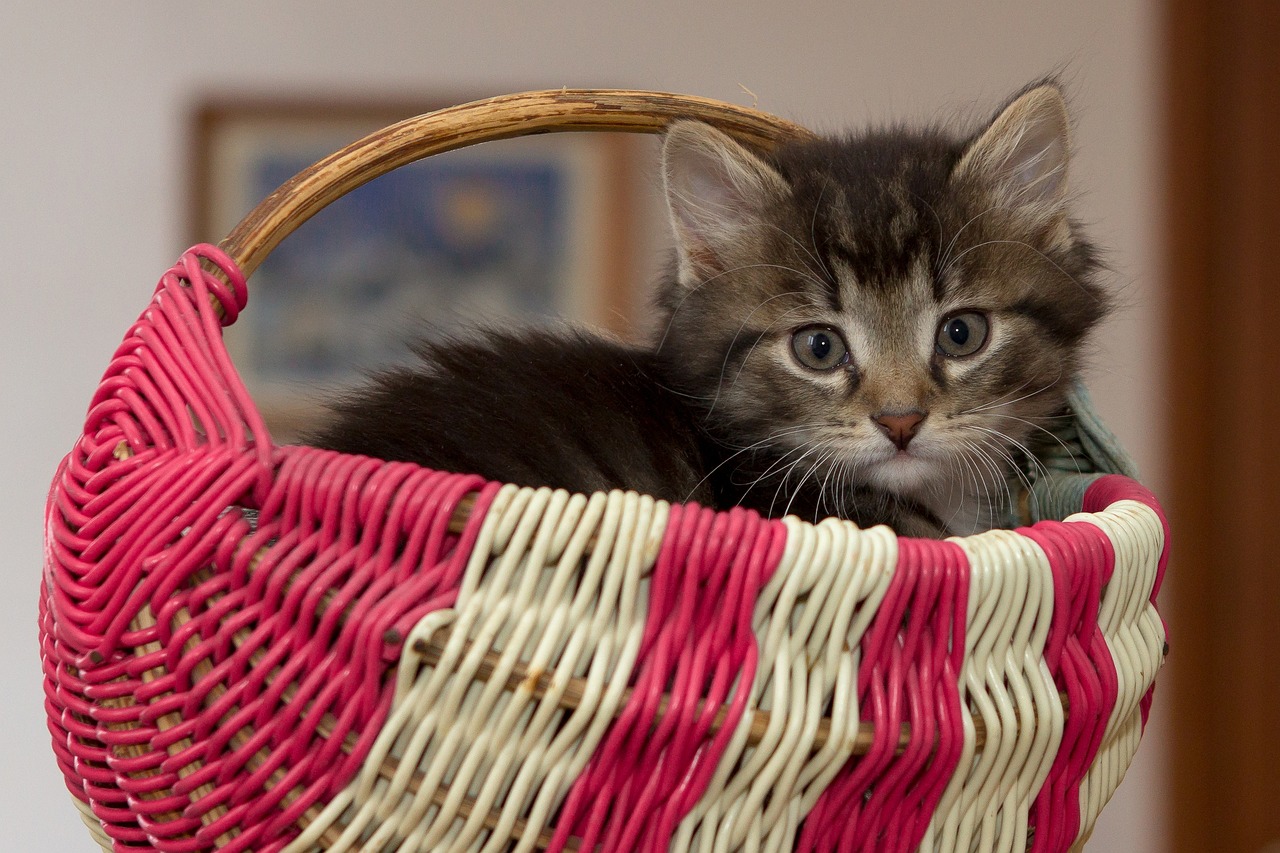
<point>426,246</point>
<point>526,228</point>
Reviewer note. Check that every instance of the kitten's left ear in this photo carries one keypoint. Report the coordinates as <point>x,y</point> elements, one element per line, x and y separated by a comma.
<point>1023,154</point>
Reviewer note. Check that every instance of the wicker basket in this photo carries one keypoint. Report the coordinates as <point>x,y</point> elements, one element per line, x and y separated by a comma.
<point>256,647</point>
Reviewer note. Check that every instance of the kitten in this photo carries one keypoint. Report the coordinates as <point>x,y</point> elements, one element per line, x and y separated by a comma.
<point>879,323</point>
<point>873,327</point>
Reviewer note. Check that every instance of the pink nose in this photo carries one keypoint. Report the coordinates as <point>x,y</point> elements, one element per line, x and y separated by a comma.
<point>901,427</point>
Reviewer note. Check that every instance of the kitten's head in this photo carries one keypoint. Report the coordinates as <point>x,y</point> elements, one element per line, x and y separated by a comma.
<point>903,307</point>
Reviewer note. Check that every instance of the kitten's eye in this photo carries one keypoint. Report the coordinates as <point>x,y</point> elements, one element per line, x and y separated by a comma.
<point>962,334</point>
<point>819,348</point>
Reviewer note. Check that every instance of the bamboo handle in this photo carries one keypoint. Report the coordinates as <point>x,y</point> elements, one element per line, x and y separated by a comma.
<point>308,192</point>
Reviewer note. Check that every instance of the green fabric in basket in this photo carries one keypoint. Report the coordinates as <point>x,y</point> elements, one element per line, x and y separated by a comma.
<point>1083,451</point>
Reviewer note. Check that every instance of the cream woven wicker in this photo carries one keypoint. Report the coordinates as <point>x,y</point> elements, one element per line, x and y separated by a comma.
<point>258,647</point>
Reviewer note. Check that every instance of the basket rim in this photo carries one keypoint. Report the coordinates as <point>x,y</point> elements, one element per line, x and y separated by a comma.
<point>502,117</point>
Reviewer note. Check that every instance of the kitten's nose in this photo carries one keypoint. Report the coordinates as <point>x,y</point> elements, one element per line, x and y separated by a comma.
<point>901,427</point>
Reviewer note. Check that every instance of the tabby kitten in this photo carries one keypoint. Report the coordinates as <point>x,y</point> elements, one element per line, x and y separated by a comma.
<point>873,327</point>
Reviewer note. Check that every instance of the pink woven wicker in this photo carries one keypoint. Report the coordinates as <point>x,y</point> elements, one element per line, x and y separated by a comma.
<point>258,647</point>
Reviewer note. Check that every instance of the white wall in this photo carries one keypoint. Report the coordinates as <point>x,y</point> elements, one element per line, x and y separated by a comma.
<point>93,99</point>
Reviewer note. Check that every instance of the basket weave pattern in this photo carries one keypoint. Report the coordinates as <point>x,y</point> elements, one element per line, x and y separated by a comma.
<point>217,682</point>
<point>252,647</point>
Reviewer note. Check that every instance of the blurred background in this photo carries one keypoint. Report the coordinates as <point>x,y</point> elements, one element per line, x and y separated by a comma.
<point>1175,112</point>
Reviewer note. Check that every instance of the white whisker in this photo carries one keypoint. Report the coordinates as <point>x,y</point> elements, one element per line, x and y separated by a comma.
<point>1002,401</point>
<point>690,291</point>
<point>1027,245</point>
<point>724,365</point>
<point>1070,453</point>
<point>767,441</point>
<point>944,264</point>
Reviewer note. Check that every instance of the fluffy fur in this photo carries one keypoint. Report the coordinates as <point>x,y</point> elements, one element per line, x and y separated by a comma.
<point>533,407</point>
<point>875,327</point>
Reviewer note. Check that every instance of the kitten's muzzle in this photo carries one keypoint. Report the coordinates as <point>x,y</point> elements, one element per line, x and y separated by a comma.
<point>900,427</point>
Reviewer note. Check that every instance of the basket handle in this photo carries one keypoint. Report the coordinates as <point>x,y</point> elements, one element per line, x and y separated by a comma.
<point>312,189</point>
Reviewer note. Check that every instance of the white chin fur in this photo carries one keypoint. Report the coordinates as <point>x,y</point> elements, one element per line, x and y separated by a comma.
<point>904,473</point>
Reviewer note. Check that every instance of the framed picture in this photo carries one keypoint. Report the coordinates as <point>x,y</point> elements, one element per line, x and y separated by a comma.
<point>528,228</point>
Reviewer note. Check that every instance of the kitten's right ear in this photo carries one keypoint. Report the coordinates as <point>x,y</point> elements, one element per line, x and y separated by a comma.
<point>718,194</point>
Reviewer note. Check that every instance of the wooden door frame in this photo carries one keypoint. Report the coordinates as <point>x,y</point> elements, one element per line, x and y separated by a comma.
<point>1222,240</point>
